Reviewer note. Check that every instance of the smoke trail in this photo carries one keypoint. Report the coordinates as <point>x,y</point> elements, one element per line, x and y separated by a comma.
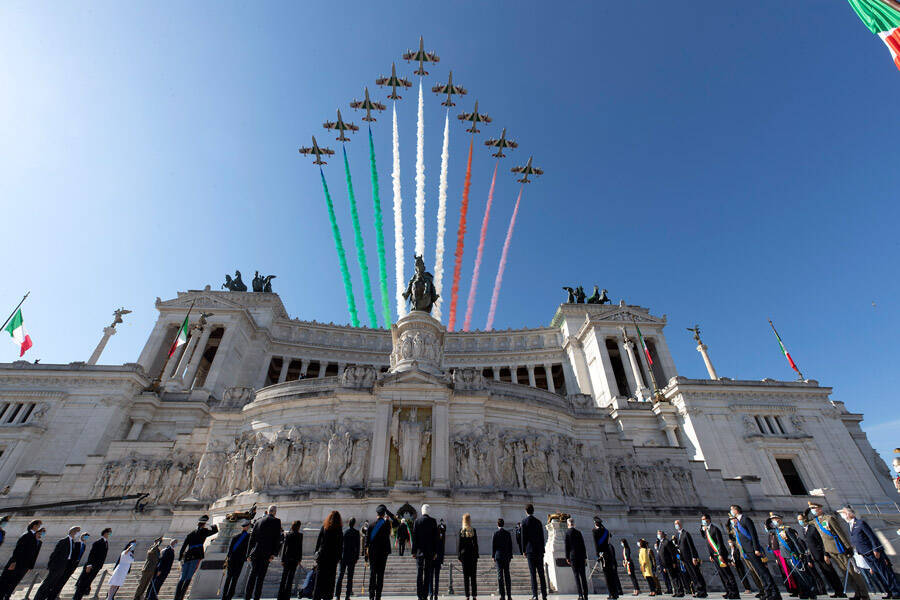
<point>470,305</point>
<point>360,247</point>
<point>420,176</point>
<point>441,219</point>
<point>379,236</point>
<point>460,238</point>
<point>499,279</point>
<point>342,258</point>
<point>398,221</point>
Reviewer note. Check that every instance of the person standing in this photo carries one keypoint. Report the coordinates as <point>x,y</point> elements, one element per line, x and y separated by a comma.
<point>872,551</point>
<point>815,550</point>
<point>403,535</point>
<point>349,557</point>
<point>192,553</point>
<point>691,560</point>
<point>438,560</point>
<point>120,570</point>
<point>718,556</point>
<point>501,552</point>
<point>93,564</point>
<point>291,555</point>
<point>329,546</point>
<point>518,535</point>
<point>576,556</point>
<point>607,558</point>
<point>149,569</point>
<point>792,556</point>
<point>669,558</point>
<point>533,549</point>
<point>647,565</point>
<point>265,543</point>
<point>163,567</point>
<point>628,566</point>
<point>3,521</point>
<point>467,553</point>
<point>235,557</point>
<point>57,565</point>
<point>752,552</point>
<point>379,547</point>
<point>662,574</point>
<point>424,548</point>
<point>838,549</point>
<point>735,560</point>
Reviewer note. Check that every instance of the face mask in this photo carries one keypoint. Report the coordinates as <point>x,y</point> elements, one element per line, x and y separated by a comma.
<point>660,537</point>
<point>678,528</point>
<point>704,522</point>
<point>776,524</point>
<point>846,518</point>
<point>801,522</point>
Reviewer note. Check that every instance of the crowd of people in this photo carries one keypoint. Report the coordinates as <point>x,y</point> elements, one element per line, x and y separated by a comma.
<point>822,554</point>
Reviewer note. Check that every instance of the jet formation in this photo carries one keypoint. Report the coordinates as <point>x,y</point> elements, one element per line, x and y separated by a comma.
<point>449,89</point>
<point>421,56</point>
<point>368,105</point>
<point>317,151</point>
<point>526,171</point>
<point>341,127</point>
<point>393,82</point>
<point>474,118</point>
<point>501,143</point>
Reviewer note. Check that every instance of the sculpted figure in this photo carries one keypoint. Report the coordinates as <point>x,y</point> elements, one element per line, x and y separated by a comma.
<point>411,439</point>
<point>420,291</point>
<point>209,472</point>
<point>355,475</point>
<point>339,448</point>
<point>579,295</point>
<point>570,298</point>
<point>519,458</point>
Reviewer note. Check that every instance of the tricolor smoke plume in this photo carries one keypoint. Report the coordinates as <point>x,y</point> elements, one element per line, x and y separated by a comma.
<point>379,236</point>
<point>499,279</point>
<point>420,176</point>
<point>342,258</point>
<point>460,239</point>
<point>360,247</point>
<point>398,221</point>
<point>470,305</point>
<point>441,220</point>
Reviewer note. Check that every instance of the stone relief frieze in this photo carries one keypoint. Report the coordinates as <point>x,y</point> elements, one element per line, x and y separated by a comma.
<point>527,459</point>
<point>167,479</point>
<point>322,456</point>
<point>660,482</point>
<point>468,379</point>
<point>359,376</point>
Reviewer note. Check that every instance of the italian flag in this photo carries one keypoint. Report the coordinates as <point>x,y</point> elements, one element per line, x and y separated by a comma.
<point>644,344</point>
<point>182,337</point>
<point>882,17</point>
<point>784,350</point>
<point>16,328</point>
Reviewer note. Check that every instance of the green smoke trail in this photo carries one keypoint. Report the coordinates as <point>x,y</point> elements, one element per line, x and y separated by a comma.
<point>342,258</point>
<point>379,236</point>
<point>360,248</point>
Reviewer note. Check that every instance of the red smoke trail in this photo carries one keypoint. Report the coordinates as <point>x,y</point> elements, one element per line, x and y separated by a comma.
<point>499,279</point>
<point>460,238</point>
<point>470,305</point>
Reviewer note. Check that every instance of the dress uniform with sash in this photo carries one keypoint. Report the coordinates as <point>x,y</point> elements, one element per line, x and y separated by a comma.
<point>837,547</point>
<point>718,555</point>
<point>752,552</point>
<point>235,559</point>
<point>872,551</point>
<point>192,553</point>
<point>792,553</point>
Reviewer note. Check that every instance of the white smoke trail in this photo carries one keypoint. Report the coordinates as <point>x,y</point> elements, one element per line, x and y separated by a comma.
<point>420,176</point>
<point>398,221</point>
<point>441,219</point>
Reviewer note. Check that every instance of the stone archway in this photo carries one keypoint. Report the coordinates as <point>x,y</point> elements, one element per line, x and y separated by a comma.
<point>407,509</point>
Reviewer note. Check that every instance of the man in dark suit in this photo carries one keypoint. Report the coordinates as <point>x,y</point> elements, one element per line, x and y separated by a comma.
<point>661,573</point>
<point>349,556</point>
<point>501,552</point>
<point>56,565</point>
<point>235,557</point>
<point>576,556</point>
<point>737,561</point>
<point>96,558</point>
<point>192,552</point>
<point>606,556</point>
<point>690,558</point>
<point>533,549</point>
<point>815,555</point>
<point>163,567</point>
<point>424,548</point>
<point>291,555</point>
<point>379,548</point>
<point>74,561</point>
<point>668,554</point>
<point>265,543</point>
<point>718,556</point>
<point>438,560</point>
<point>752,551</point>
<point>863,540</point>
<point>838,547</point>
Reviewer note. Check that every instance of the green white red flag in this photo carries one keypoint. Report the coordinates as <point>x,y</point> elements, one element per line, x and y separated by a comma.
<point>181,338</point>
<point>784,350</point>
<point>882,17</point>
<point>643,344</point>
<point>16,328</point>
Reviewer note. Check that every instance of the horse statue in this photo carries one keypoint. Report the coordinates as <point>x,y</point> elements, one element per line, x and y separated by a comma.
<point>571,292</point>
<point>579,295</point>
<point>598,297</point>
<point>236,284</point>
<point>420,291</point>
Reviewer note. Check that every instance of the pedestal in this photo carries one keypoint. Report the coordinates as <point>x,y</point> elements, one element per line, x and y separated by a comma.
<point>562,580</point>
<point>208,577</point>
<point>418,343</point>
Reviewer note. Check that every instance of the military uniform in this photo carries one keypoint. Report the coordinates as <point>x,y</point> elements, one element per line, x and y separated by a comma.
<point>838,548</point>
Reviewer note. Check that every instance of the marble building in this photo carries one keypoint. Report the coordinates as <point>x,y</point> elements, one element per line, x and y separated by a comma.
<point>259,407</point>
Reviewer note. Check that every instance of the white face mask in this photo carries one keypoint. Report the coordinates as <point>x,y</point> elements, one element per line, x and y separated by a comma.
<point>846,518</point>
<point>732,512</point>
<point>660,537</point>
<point>801,522</point>
<point>704,522</point>
<point>677,527</point>
<point>776,524</point>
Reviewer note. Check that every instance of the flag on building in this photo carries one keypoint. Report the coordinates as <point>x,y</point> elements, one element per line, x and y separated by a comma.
<point>882,17</point>
<point>643,344</point>
<point>784,350</point>
<point>16,328</point>
<point>181,338</point>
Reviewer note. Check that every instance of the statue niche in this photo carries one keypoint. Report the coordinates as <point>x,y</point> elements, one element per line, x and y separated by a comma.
<point>410,460</point>
<point>420,291</point>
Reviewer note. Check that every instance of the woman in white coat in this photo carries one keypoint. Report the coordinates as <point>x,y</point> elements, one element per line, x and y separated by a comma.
<point>123,565</point>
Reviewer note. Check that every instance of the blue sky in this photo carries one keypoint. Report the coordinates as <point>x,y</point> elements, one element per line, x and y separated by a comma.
<point>721,163</point>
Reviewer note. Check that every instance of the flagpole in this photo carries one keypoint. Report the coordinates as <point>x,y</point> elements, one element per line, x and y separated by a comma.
<point>187,318</point>
<point>18,306</point>
<point>784,350</point>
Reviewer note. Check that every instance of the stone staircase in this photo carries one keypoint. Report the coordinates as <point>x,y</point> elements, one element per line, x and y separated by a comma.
<point>33,580</point>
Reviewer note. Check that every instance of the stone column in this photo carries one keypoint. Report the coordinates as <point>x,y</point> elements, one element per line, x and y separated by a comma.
<point>531,376</point>
<point>548,371</point>
<point>304,367</point>
<point>171,363</point>
<point>341,368</point>
<point>629,374</point>
<point>670,435</point>
<point>186,356</point>
<point>191,371</point>
<point>323,364</point>
<point>265,371</point>
<point>496,372</point>
<point>514,374</point>
<point>701,348</point>
<point>285,363</point>
<point>137,425</point>
<point>222,359</point>
<point>107,333</point>
<point>641,390</point>
<point>440,445</point>
<point>575,351</point>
